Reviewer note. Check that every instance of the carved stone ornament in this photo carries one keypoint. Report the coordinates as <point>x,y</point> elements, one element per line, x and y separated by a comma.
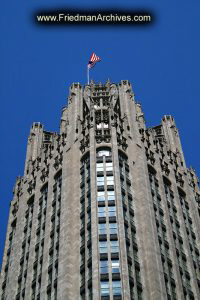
<point>87,94</point>
<point>31,186</point>
<point>114,93</point>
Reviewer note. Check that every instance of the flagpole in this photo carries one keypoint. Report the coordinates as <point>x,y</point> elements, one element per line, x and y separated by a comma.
<point>88,80</point>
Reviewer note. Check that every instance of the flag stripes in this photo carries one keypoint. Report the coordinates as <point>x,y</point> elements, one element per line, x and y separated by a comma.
<point>93,60</point>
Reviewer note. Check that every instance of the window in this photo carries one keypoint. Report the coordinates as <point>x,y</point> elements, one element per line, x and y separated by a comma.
<point>100,196</point>
<point>101,212</point>
<point>109,166</point>
<point>137,275</point>
<point>128,188</point>
<point>111,211</point>
<point>130,270</point>
<point>51,258</point>
<point>114,246</point>
<point>49,296</point>
<point>123,197</point>
<point>83,191</point>
<point>116,287</point>
<point>103,267</point>
<point>113,228</point>
<point>88,171</point>
<point>99,126</point>
<point>33,292</point>
<point>50,277</point>
<point>127,173</point>
<point>103,153</point>
<point>103,248</point>
<point>111,195</point>
<point>82,278</point>
<point>82,240</point>
<point>104,288</point>
<point>83,258</point>
<point>34,273</point>
<point>89,216</point>
<point>99,167</point>
<point>110,180</point>
<point>102,228</point>
<point>82,207</point>
<point>90,272</point>
<point>122,183</point>
<point>90,295</point>
<point>115,266</point>
<point>100,181</point>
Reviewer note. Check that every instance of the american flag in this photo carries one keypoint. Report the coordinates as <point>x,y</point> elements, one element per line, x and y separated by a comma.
<point>93,60</point>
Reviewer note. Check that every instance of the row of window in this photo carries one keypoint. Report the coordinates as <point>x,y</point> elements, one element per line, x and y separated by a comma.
<point>129,228</point>
<point>54,240</point>
<point>110,246</point>
<point>109,211</point>
<point>8,261</point>
<point>25,250</point>
<point>162,238</point>
<point>40,232</point>
<point>101,180</point>
<point>105,288</point>
<point>108,167</point>
<point>111,228</point>
<point>85,252</point>
<point>103,195</point>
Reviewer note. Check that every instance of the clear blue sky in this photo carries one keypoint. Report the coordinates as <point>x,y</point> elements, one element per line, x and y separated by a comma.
<point>39,63</point>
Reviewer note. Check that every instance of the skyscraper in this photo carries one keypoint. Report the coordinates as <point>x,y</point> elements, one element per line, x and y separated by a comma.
<point>106,209</point>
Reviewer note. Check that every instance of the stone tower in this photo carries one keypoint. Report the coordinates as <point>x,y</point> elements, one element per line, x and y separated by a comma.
<point>106,209</point>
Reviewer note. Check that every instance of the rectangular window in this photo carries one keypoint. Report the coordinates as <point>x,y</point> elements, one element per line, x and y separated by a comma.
<point>109,166</point>
<point>103,267</point>
<point>113,228</point>
<point>82,207</point>
<point>137,275</point>
<point>111,211</point>
<point>103,153</point>
<point>102,228</point>
<point>83,191</point>
<point>103,248</point>
<point>51,258</point>
<point>49,296</point>
<point>128,188</point>
<point>89,216</point>
<point>99,126</point>
<point>50,277</point>
<point>33,292</point>
<point>110,180</point>
<point>115,266</point>
<point>111,195</point>
<point>101,212</point>
<point>82,240</point>
<point>82,278</point>
<point>87,173</point>
<point>99,167</point>
<point>114,245</point>
<point>100,181</point>
<point>105,288</point>
<point>90,272</point>
<point>127,173</point>
<point>83,258</point>
<point>100,196</point>
<point>116,287</point>
<point>123,197</point>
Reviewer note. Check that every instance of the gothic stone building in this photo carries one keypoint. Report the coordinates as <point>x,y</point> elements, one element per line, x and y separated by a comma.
<point>106,209</point>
